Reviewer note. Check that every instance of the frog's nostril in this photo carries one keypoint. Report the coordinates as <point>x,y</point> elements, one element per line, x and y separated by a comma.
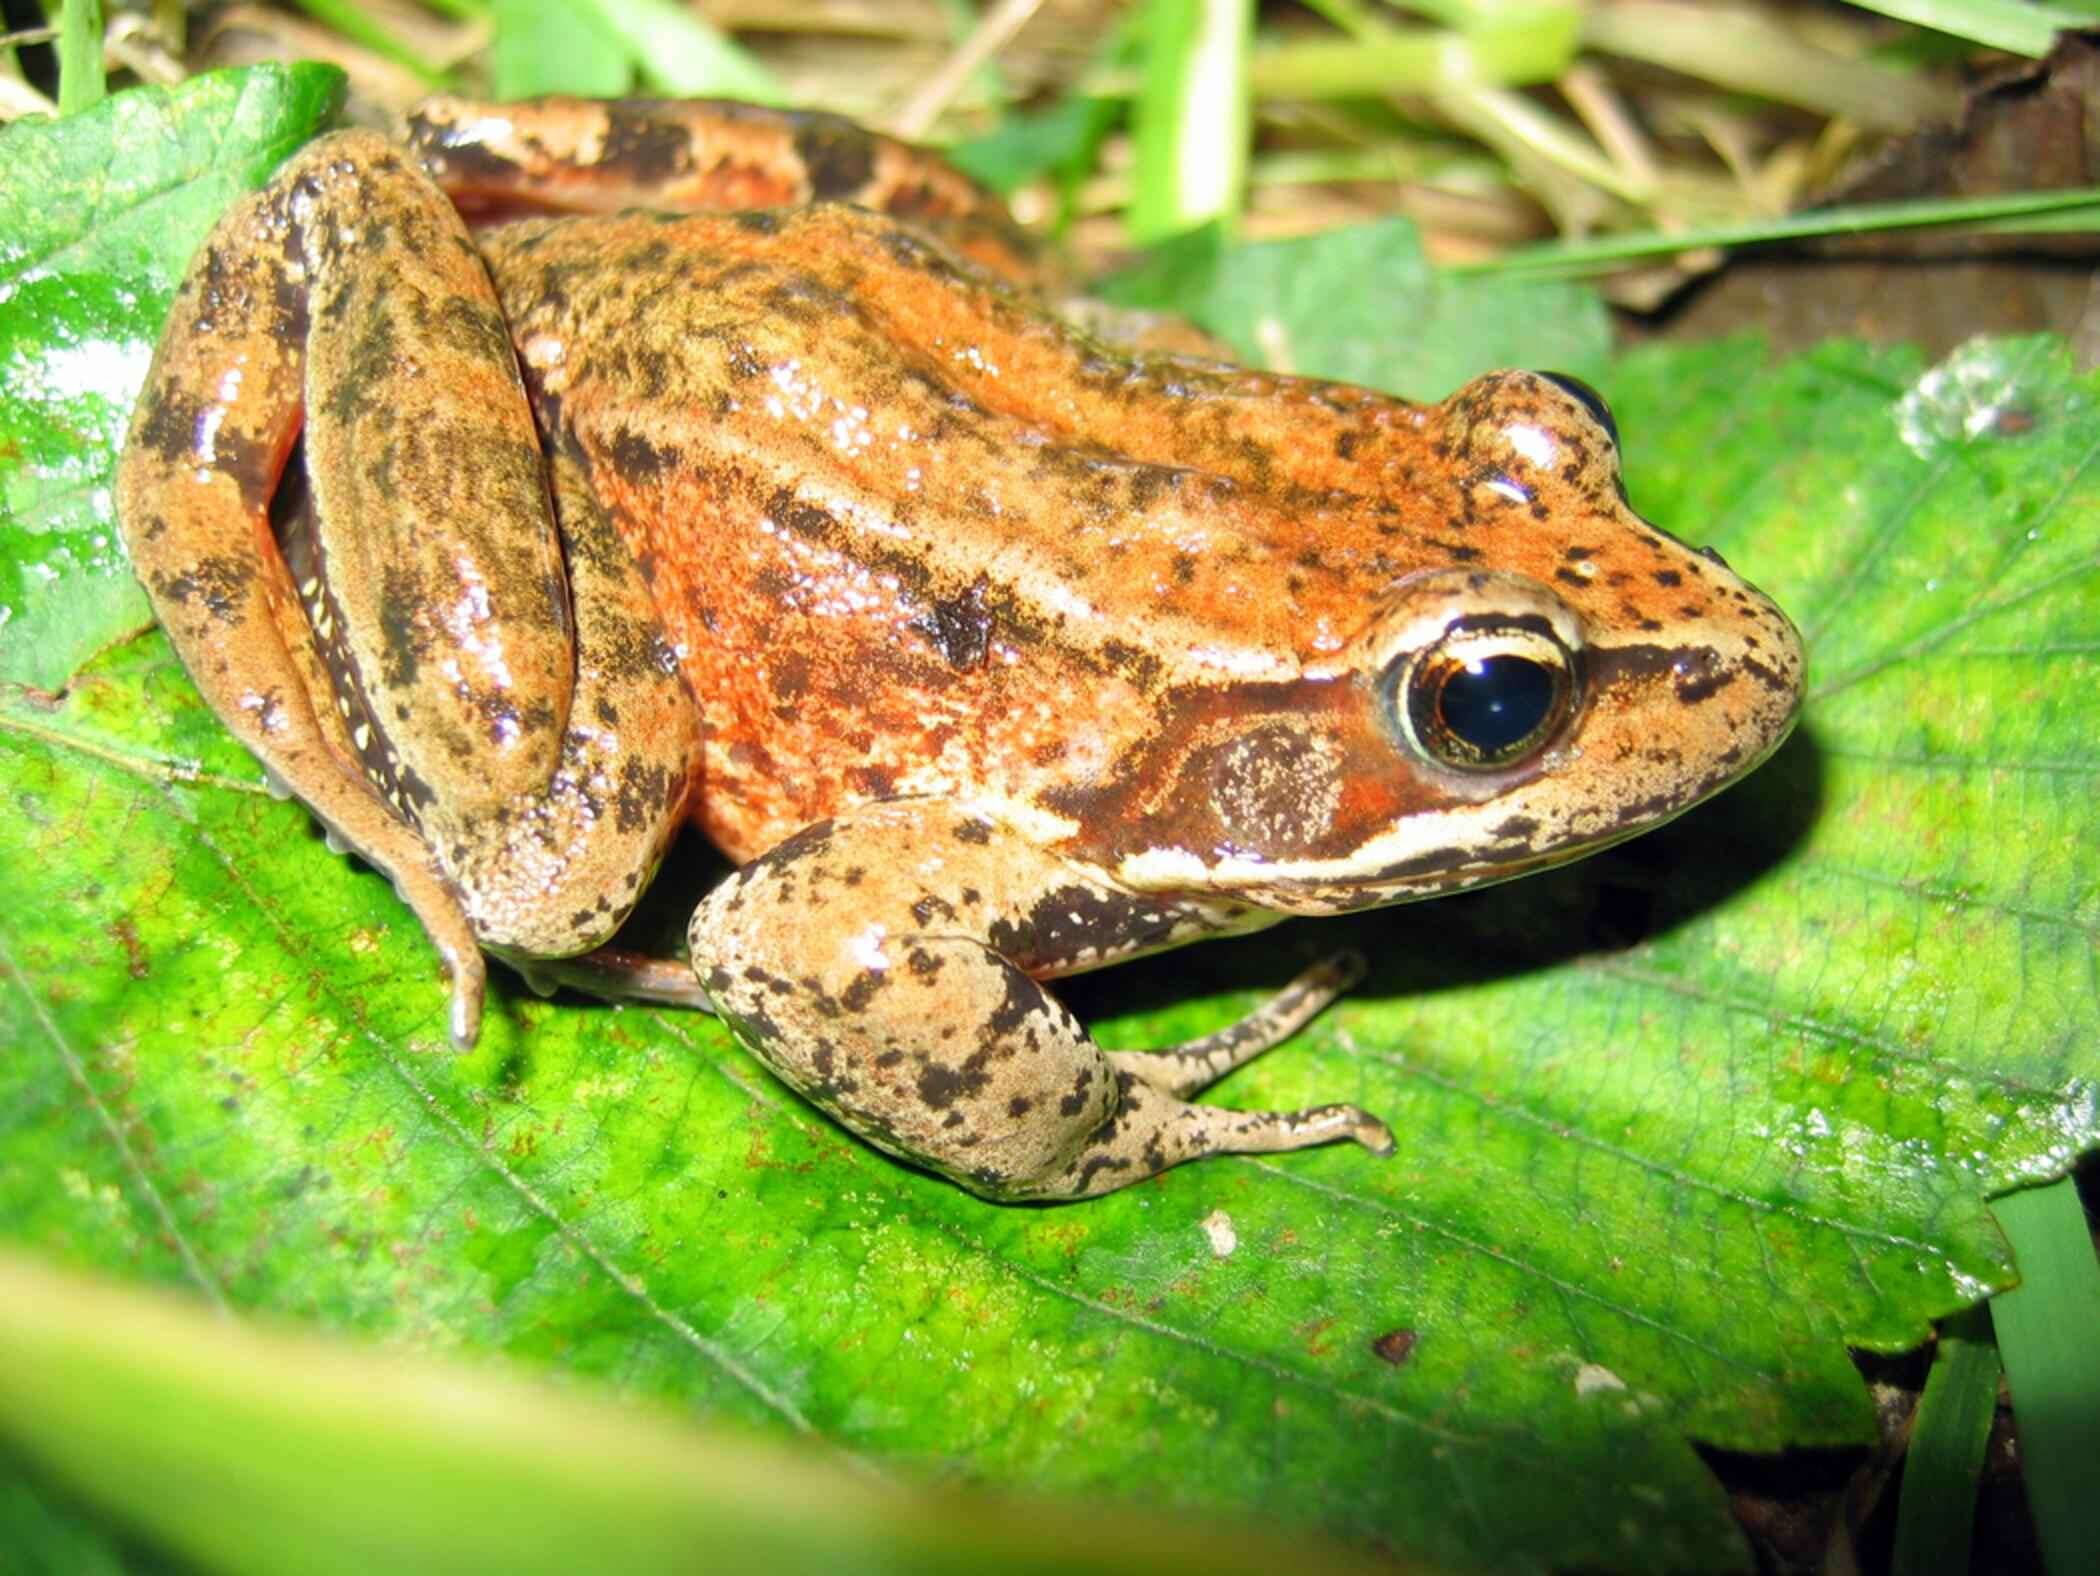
<point>1712,556</point>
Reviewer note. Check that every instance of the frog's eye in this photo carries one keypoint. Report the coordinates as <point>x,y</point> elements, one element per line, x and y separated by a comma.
<point>1486,696</point>
<point>1588,398</point>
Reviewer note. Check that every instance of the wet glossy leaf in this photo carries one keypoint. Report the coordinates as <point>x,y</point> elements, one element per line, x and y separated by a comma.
<point>99,213</point>
<point>1678,1123</point>
<point>1409,327</point>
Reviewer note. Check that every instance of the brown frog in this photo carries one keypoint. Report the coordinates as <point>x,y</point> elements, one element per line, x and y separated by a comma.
<point>991,653</point>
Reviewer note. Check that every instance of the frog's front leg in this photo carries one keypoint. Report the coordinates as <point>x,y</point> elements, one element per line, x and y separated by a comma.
<point>883,964</point>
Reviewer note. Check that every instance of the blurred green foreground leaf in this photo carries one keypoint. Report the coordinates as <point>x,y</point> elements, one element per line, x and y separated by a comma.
<point>1678,1123</point>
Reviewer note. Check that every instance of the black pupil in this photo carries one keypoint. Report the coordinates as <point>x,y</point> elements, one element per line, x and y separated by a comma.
<point>1496,703</point>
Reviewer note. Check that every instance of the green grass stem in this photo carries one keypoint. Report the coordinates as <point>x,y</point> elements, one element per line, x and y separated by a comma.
<point>2049,1336</point>
<point>1936,1517</point>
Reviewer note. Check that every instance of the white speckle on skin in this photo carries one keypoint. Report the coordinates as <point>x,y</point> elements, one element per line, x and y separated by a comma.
<point>1217,1226</point>
<point>1591,1378</point>
<point>866,948</point>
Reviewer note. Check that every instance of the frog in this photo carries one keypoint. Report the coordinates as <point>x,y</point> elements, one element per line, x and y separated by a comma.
<point>559,475</point>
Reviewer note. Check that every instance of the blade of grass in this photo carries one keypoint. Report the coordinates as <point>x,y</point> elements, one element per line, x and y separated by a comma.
<point>80,82</point>
<point>1752,53</point>
<point>2017,26</point>
<point>1536,46</point>
<point>350,19</point>
<point>679,53</point>
<point>1191,115</point>
<point>2049,1336</point>
<point>1936,1517</point>
<point>249,1449</point>
<point>2053,209</point>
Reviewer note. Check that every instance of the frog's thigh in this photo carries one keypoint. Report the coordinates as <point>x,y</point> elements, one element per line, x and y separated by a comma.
<point>557,868</point>
<point>855,958</point>
<point>216,420</point>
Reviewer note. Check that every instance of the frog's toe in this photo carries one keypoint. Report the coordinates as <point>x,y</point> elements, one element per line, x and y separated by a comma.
<point>1373,1134</point>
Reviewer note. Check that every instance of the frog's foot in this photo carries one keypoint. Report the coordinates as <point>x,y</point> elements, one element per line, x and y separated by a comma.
<point>615,974</point>
<point>1151,1131</point>
<point>1183,1070</point>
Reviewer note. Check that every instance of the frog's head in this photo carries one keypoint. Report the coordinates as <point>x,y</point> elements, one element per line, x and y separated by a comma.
<point>1563,676</point>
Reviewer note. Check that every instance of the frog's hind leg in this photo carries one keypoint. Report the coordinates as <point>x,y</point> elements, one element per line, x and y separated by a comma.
<point>1151,1131</point>
<point>1190,1068</point>
<point>222,406</point>
<point>556,869</point>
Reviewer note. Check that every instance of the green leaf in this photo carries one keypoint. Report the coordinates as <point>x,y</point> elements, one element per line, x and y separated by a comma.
<point>99,213</point>
<point>1678,1123</point>
<point>600,47</point>
<point>556,49</point>
<point>1409,327</point>
<point>214,1435</point>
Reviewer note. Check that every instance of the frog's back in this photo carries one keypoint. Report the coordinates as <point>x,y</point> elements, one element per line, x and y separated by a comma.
<point>913,535</point>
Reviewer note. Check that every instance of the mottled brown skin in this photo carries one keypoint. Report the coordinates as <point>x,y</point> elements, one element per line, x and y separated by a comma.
<point>999,655</point>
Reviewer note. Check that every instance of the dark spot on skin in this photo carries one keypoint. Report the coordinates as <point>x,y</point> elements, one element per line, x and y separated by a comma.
<point>941,1086</point>
<point>1075,1102</point>
<point>790,676</point>
<point>1771,678</point>
<point>872,782</point>
<point>1097,1164</point>
<point>975,832</point>
<point>929,908</point>
<point>169,425</point>
<point>839,156</point>
<point>1570,577</point>
<point>1668,577</point>
<point>1141,667</point>
<point>1694,688</point>
<point>644,791</point>
<point>401,640</point>
<point>856,996</point>
<point>1395,1346</point>
<point>1517,828</point>
<point>923,964</point>
<point>959,627</point>
<point>474,330</point>
<point>218,583</point>
<point>780,859</point>
<point>650,151</point>
<point>635,456</point>
<point>1023,996</point>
